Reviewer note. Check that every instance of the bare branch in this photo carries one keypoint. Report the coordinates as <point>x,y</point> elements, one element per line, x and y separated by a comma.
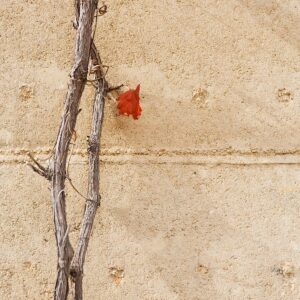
<point>93,200</point>
<point>57,171</point>
<point>76,86</point>
<point>38,168</point>
<point>114,88</point>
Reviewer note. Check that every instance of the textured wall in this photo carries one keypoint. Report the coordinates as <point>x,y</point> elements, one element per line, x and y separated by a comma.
<point>200,196</point>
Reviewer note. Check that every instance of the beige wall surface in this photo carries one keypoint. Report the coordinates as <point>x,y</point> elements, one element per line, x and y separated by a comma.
<point>200,196</point>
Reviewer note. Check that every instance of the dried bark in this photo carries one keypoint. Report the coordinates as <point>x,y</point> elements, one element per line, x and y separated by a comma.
<point>76,86</point>
<point>70,265</point>
<point>93,200</point>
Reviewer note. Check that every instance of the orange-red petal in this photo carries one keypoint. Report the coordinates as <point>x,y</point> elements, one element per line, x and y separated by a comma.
<point>129,103</point>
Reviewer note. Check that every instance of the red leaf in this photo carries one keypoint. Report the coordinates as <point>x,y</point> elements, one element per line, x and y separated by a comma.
<point>129,103</point>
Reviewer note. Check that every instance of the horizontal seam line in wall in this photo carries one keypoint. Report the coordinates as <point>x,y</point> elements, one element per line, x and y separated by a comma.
<point>160,152</point>
<point>163,157</point>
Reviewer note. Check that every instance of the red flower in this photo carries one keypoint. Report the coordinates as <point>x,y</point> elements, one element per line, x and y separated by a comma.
<point>129,103</point>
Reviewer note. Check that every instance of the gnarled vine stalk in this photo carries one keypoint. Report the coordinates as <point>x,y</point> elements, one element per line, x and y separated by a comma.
<point>56,171</point>
<point>76,86</point>
<point>93,198</point>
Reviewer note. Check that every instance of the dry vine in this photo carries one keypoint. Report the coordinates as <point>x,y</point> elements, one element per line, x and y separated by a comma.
<point>93,200</point>
<point>70,264</point>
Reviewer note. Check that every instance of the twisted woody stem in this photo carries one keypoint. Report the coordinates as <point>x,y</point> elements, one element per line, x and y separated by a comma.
<point>70,264</point>
<point>75,89</point>
<point>93,198</point>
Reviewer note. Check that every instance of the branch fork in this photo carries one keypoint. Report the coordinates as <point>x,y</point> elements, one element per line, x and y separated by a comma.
<point>70,262</point>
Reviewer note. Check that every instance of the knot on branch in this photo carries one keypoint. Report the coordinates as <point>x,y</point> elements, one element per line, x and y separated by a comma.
<point>78,75</point>
<point>93,145</point>
<point>97,201</point>
<point>62,264</point>
<point>75,272</point>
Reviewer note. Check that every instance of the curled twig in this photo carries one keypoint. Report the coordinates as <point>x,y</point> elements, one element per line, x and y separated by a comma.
<point>102,10</point>
<point>114,88</point>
